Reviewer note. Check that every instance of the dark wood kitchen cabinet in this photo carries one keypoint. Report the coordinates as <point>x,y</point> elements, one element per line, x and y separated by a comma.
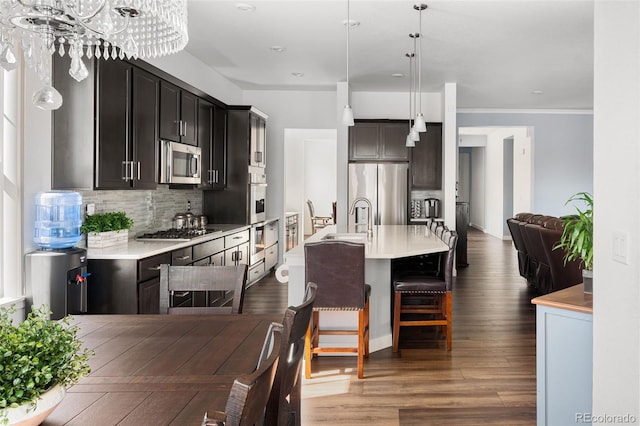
<point>121,153</point>
<point>178,114</point>
<point>127,127</point>
<point>212,138</point>
<point>378,140</point>
<point>426,159</point>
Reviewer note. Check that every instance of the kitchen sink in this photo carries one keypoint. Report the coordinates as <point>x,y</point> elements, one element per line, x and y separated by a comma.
<point>356,237</point>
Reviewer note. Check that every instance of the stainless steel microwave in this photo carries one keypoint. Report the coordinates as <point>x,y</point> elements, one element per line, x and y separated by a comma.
<point>180,163</point>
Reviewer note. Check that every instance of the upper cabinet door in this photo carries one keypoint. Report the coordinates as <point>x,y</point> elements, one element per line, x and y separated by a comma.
<point>364,139</point>
<point>114,168</point>
<point>426,159</point>
<point>219,147</point>
<point>257,137</point>
<point>189,117</point>
<point>170,124</point>
<point>382,140</point>
<point>178,114</point>
<point>393,137</point>
<point>146,93</point>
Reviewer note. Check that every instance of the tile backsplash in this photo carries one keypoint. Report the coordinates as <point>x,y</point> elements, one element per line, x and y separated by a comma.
<point>149,209</point>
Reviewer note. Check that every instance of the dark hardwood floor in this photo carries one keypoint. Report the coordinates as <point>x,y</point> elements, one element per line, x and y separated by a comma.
<point>489,378</point>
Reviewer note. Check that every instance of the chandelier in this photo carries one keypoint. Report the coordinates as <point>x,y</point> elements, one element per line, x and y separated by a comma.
<point>111,29</point>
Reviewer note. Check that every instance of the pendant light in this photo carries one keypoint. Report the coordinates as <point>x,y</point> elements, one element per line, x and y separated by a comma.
<point>419,123</point>
<point>409,143</point>
<point>415,135</point>
<point>347,114</point>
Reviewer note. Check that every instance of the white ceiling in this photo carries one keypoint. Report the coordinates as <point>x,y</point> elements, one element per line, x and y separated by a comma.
<point>497,52</point>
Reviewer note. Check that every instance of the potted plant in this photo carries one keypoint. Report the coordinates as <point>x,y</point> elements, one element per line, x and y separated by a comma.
<point>39,359</point>
<point>577,237</point>
<point>106,229</point>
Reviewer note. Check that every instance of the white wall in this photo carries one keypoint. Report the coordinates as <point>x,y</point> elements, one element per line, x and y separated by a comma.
<point>616,292</point>
<point>320,176</point>
<point>477,202</point>
<point>494,184</point>
<point>563,155</point>
<point>394,105</point>
<point>310,162</point>
<point>523,180</point>
<point>191,70</point>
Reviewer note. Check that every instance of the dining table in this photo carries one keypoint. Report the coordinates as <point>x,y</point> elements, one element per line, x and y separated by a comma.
<point>160,369</point>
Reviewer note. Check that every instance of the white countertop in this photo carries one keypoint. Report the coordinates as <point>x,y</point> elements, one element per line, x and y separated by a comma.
<point>388,242</point>
<point>140,249</point>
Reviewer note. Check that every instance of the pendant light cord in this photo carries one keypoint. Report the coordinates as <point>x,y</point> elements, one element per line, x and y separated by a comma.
<point>348,25</point>
<point>420,64</point>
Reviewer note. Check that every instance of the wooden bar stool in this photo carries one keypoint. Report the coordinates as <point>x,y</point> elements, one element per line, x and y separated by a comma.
<point>337,267</point>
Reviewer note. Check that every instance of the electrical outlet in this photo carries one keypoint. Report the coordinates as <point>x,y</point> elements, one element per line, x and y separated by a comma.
<point>620,249</point>
<point>91,209</point>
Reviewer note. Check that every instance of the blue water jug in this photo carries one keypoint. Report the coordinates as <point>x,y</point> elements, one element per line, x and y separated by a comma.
<point>58,219</point>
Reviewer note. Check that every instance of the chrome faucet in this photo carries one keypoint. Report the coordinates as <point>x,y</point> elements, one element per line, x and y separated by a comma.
<point>369,220</point>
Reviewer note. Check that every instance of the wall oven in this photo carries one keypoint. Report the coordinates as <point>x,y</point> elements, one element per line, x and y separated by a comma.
<point>257,197</point>
<point>180,163</point>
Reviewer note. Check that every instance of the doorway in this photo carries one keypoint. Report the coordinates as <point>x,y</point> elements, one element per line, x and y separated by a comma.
<point>310,173</point>
<point>498,162</point>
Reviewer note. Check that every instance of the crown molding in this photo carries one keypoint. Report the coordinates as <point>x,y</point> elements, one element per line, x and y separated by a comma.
<point>524,111</point>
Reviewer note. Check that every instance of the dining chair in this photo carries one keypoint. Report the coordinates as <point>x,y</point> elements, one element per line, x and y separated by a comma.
<point>337,267</point>
<point>227,281</point>
<point>317,221</point>
<point>426,294</point>
<point>247,400</point>
<point>283,407</point>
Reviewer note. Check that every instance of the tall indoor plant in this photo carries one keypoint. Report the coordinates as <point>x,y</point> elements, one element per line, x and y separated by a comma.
<point>38,359</point>
<point>577,237</point>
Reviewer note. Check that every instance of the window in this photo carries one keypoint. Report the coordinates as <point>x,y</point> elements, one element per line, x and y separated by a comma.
<point>10,186</point>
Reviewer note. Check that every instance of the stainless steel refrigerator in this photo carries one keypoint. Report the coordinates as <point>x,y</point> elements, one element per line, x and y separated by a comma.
<point>385,185</point>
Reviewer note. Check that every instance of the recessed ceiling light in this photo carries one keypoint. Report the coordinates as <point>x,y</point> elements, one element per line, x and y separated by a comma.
<point>278,49</point>
<point>537,92</point>
<point>297,74</point>
<point>397,75</point>
<point>245,7</point>
<point>352,23</point>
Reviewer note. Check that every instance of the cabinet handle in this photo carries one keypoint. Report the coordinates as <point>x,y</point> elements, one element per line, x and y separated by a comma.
<point>154,268</point>
<point>239,255</point>
<point>215,180</point>
<point>179,124</point>
<point>183,257</point>
<point>234,255</point>
<point>181,294</point>
<point>125,171</point>
<point>138,170</point>
<point>132,166</point>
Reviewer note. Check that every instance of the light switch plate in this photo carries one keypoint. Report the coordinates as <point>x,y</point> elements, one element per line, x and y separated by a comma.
<point>620,249</point>
<point>91,209</point>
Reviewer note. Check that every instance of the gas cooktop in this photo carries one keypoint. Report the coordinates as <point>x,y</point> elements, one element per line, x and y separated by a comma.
<point>174,234</point>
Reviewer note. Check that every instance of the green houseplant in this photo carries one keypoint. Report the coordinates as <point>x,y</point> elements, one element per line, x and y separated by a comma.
<point>106,229</point>
<point>38,356</point>
<point>577,237</point>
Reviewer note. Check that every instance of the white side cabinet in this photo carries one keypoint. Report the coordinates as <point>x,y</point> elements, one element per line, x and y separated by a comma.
<point>564,357</point>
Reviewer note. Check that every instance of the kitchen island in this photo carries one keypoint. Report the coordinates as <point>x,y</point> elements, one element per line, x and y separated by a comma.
<point>388,242</point>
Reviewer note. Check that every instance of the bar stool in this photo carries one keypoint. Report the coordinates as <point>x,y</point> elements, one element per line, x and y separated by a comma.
<point>426,294</point>
<point>337,267</point>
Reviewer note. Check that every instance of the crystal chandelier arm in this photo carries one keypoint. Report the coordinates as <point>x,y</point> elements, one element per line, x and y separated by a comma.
<point>73,9</point>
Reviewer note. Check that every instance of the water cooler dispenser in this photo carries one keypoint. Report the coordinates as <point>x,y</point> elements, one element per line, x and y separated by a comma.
<point>56,274</point>
<point>58,278</point>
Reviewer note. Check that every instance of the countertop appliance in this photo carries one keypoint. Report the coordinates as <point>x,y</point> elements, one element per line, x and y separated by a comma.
<point>174,234</point>
<point>385,185</point>
<point>432,207</point>
<point>179,163</point>
<point>58,278</point>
